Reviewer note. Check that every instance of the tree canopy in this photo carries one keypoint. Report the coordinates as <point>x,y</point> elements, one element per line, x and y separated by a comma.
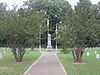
<point>20,28</point>
<point>55,11</point>
<point>79,30</point>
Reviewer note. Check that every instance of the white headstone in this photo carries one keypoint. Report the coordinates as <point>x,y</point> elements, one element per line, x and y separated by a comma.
<point>1,56</point>
<point>4,52</point>
<point>88,53</point>
<point>87,48</point>
<point>90,48</point>
<point>29,48</point>
<point>95,52</point>
<point>97,56</point>
<point>39,48</point>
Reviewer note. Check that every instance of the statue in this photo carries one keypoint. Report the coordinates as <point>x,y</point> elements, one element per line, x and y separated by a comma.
<point>49,47</point>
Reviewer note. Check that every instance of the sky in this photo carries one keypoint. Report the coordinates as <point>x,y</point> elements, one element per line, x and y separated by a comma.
<point>20,2</point>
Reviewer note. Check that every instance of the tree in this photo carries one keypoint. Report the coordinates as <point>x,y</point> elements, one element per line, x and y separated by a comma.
<point>3,15</point>
<point>96,14</point>
<point>78,29</point>
<point>21,27</point>
<point>55,10</point>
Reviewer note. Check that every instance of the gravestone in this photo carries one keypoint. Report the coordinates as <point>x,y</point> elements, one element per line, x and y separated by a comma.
<point>1,56</point>
<point>95,52</point>
<point>87,48</point>
<point>49,47</point>
<point>39,48</point>
<point>7,48</point>
<point>97,56</point>
<point>88,53</point>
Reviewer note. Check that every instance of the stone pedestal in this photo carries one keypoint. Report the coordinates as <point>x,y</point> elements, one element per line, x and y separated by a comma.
<point>49,47</point>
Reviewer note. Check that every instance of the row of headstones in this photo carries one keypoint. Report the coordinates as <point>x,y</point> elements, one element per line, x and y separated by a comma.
<point>3,52</point>
<point>95,52</point>
<point>88,48</point>
<point>97,55</point>
<point>7,48</point>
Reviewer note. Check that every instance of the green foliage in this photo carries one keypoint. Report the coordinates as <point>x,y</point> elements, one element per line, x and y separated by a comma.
<point>66,50</point>
<point>78,30</point>
<point>96,13</point>
<point>3,15</point>
<point>19,28</point>
<point>55,10</point>
<point>79,26</point>
<point>22,26</point>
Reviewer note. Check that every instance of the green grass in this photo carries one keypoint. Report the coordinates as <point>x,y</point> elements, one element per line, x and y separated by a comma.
<point>14,68</point>
<point>91,68</point>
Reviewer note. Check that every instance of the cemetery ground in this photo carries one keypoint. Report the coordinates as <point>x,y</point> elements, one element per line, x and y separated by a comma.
<point>8,66</point>
<point>91,66</point>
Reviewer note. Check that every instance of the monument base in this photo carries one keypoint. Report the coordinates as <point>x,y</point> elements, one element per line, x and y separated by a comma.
<point>49,48</point>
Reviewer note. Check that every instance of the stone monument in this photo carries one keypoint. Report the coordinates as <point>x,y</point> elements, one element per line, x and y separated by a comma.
<point>1,56</point>
<point>49,47</point>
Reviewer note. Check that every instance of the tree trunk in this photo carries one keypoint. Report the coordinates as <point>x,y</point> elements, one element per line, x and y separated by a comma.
<point>15,53</point>
<point>32,48</point>
<point>77,55</point>
<point>21,53</point>
<point>18,54</point>
<point>74,55</point>
<point>64,50</point>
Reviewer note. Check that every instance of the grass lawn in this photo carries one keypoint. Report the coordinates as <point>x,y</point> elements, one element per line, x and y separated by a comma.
<point>13,68</point>
<point>91,68</point>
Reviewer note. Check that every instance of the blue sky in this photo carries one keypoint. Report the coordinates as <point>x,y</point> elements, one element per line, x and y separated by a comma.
<point>20,2</point>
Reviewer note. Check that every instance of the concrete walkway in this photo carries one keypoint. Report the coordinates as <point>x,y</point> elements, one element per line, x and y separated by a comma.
<point>47,64</point>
